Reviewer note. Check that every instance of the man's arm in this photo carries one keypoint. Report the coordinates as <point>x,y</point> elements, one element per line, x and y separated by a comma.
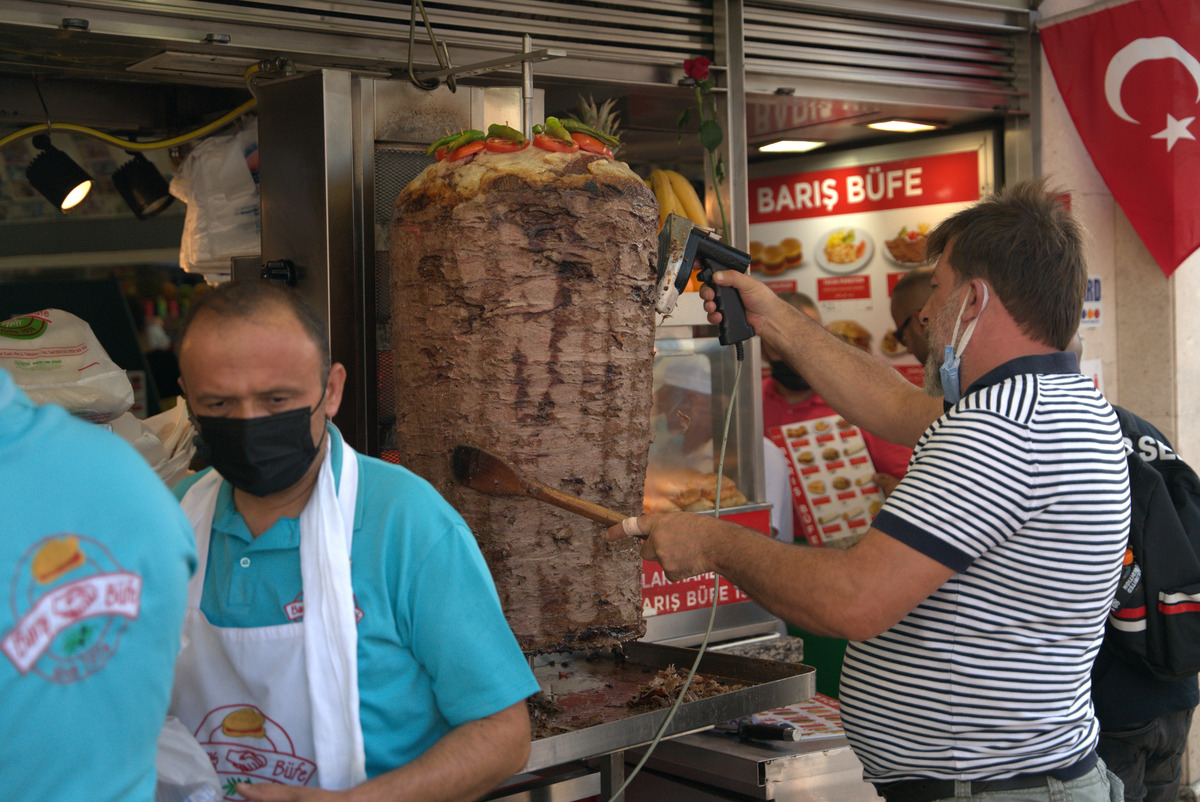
<point>863,389</point>
<point>466,763</point>
<point>854,593</point>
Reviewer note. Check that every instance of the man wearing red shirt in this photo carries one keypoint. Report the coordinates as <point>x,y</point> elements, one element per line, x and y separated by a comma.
<point>787,398</point>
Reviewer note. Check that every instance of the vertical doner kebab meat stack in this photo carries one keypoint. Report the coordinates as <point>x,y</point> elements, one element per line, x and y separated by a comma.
<point>522,281</point>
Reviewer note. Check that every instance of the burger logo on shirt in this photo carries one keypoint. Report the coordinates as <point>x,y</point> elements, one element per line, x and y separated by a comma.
<point>71,602</point>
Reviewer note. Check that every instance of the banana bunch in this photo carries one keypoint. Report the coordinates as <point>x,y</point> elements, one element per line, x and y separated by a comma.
<point>676,194</point>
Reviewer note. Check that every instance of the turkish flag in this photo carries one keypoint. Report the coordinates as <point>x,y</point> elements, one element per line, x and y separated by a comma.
<point>1130,76</point>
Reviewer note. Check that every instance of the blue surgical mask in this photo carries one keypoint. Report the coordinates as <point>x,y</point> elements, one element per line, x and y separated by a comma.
<point>949,369</point>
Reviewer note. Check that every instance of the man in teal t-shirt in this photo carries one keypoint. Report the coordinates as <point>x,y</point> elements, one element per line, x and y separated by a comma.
<point>95,555</point>
<point>344,629</point>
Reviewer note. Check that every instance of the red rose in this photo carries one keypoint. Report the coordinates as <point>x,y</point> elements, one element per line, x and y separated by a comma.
<point>696,68</point>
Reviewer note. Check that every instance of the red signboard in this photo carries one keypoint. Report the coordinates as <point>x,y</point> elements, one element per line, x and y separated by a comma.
<point>924,181</point>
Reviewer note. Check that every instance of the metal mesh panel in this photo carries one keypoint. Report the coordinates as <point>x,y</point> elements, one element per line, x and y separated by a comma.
<point>383,297</point>
<point>395,168</point>
<point>387,388</point>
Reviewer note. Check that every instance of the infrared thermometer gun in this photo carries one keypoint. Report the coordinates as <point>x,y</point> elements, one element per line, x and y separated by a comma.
<point>681,244</point>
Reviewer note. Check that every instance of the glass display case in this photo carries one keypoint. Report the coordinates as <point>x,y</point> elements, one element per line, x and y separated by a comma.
<point>697,383</point>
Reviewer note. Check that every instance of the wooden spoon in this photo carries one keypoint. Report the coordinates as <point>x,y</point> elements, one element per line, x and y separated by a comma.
<point>487,473</point>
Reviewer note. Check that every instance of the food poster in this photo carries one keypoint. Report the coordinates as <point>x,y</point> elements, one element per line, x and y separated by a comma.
<point>832,479</point>
<point>845,235</point>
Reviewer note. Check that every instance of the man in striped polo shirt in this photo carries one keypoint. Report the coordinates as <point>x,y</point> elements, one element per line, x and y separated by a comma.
<point>977,600</point>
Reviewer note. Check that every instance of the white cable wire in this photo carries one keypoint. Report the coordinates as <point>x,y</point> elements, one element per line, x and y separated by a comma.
<point>712,614</point>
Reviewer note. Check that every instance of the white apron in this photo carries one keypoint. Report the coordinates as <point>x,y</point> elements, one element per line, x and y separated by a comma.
<point>272,704</point>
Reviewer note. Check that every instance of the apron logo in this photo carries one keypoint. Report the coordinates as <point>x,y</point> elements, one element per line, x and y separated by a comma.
<point>294,610</point>
<point>245,745</point>
<point>71,602</point>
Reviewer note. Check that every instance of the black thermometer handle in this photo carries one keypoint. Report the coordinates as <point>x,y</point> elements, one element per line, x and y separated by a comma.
<point>733,327</point>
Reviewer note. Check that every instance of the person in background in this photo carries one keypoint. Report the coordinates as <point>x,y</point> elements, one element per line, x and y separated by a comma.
<point>787,398</point>
<point>158,352</point>
<point>683,415</point>
<point>969,676</point>
<point>908,297</point>
<point>341,606</point>
<point>778,491</point>
<point>1144,721</point>
<point>96,557</point>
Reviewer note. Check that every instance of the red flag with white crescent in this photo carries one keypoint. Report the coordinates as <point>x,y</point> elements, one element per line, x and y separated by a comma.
<point>1130,77</point>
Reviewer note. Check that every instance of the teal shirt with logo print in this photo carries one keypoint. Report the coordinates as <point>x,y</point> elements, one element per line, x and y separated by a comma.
<point>95,557</point>
<point>434,649</point>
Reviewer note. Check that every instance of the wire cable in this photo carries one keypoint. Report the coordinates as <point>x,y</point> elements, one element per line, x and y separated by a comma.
<point>126,144</point>
<point>712,613</point>
<point>37,87</point>
<point>130,145</point>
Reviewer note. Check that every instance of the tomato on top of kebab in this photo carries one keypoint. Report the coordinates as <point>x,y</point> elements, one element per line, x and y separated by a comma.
<point>555,135</point>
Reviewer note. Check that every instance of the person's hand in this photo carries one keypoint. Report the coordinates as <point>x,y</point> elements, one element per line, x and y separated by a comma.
<point>675,540</point>
<point>270,792</point>
<point>757,297</point>
<point>885,482</point>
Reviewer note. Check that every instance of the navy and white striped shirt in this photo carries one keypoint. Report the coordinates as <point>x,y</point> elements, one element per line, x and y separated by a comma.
<point>1022,489</point>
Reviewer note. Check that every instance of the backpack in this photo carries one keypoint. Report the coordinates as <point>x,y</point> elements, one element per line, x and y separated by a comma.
<point>1154,622</point>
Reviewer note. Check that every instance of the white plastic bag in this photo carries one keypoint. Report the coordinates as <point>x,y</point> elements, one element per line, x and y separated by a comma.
<point>185,772</point>
<point>218,182</point>
<point>166,441</point>
<point>55,357</point>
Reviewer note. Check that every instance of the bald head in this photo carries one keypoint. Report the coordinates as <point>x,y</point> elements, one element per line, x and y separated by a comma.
<point>908,297</point>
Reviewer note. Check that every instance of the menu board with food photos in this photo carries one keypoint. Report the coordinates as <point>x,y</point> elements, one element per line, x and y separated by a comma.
<point>832,479</point>
<point>846,229</point>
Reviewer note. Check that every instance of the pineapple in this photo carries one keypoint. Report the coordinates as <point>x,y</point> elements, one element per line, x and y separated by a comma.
<point>603,118</point>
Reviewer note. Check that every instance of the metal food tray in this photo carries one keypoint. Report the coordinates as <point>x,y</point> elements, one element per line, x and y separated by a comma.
<point>596,689</point>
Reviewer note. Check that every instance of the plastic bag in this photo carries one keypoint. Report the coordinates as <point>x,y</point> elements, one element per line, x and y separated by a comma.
<point>166,441</point>
<point>185,772</point>
<point>219,183</point>
<point>56,359</point>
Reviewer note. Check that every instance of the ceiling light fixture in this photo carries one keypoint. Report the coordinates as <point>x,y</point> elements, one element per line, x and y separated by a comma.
<point>56,176</point>
<point>903,126</point>
<point>142,186</point>
<point>789,146</point>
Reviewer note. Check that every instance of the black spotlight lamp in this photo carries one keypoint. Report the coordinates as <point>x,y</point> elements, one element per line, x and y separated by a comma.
<point>142,186</point>
<point>54,174</point>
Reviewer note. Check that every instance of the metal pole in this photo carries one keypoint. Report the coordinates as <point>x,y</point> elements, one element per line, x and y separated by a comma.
<point>729,43</point>
<point>526,89</point>
<point>612,776</point>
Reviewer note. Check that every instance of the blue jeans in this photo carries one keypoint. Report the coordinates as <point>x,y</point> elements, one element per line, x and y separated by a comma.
<point>1098,785</point>
<point>1148,758</point>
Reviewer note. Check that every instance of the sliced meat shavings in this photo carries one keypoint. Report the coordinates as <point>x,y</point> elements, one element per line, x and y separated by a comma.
<point>663,689</point>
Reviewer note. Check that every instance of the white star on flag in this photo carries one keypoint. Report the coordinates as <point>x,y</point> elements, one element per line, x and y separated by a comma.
<point>1175,130</point>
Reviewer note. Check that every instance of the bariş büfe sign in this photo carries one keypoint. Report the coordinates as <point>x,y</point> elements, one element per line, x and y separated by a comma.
<point>945,178</point>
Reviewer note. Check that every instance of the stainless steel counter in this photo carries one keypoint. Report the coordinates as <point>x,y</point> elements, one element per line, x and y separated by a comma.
<point>807,771</point>
<point>595,692</point>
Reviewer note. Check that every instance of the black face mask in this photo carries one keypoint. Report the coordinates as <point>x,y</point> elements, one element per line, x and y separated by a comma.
<point>260,456</point>
<point>782,373</point>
